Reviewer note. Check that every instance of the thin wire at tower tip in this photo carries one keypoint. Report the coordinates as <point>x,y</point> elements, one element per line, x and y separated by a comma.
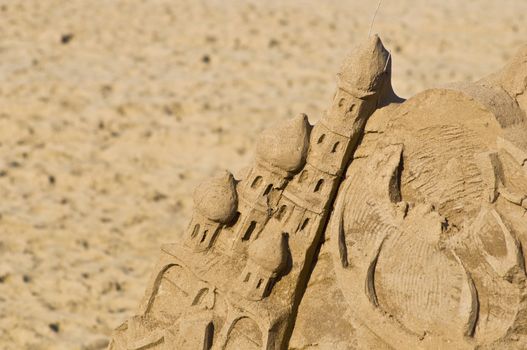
<point>373,18</point>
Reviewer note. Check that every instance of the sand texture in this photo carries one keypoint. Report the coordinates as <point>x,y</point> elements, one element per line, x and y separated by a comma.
<point>112,112</point>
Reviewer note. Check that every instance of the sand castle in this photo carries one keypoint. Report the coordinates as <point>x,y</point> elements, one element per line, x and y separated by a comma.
<point>388,224</point>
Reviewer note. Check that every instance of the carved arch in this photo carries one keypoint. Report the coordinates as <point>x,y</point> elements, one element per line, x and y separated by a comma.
<point>199,296</point>
<point>155,286</point>
<point>244,333</point>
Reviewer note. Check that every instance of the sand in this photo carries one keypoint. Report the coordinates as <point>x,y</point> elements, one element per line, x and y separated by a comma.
<point>112,112</point>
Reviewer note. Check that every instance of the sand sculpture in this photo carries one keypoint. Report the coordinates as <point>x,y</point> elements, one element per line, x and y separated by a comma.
<point>389,224</point>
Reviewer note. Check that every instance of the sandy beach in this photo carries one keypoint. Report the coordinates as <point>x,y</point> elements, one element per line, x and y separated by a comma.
<point>111,112</point>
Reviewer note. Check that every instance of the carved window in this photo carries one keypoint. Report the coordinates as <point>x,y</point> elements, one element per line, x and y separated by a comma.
<point>247,277</point>
<point>335,147</point>
<point>304,224</point>
<point>321,138</point>
<point>209,337</point>
<point>342,101</point>
<point>234,219</point>
<point>195,231</point>
<point>204,236</point>
<point>319,185</point>
<point>249,231</point>
<point>268,189</point>
<point>352,107</point>
<point>256,182</point>
<point>260,281</point>
<point>281,212</point>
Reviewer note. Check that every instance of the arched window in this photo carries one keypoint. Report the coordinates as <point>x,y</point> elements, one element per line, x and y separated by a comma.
<point>319,185</point>
<point>304,224</point>
<point>234,219</point>
<point>209,336</point>
<point>260,281</point>
<point>342,101</point>
<point>256,182</point>
<point>281,212</point>
<point>247,277</point>
<point>195,231</point>
<point>249,231</point>
<point>352,107</point>
<point>204,237</point>
<point>321,138</point>
<point>335,147</point>
<point>268,189</point>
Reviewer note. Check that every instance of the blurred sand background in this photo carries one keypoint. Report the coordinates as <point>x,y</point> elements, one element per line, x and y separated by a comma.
<point>112,111</point>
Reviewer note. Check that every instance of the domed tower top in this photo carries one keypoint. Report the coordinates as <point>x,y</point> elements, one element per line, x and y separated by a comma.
<point>216,198</point>
<point>285,145</point>
<point>269,252</point>
<point>361,73</point>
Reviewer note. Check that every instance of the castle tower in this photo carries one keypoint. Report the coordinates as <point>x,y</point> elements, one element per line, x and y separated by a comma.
<point>267,259</point>
<point>215,203</point>
<point>280,152</point>
<point>334,138</point>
